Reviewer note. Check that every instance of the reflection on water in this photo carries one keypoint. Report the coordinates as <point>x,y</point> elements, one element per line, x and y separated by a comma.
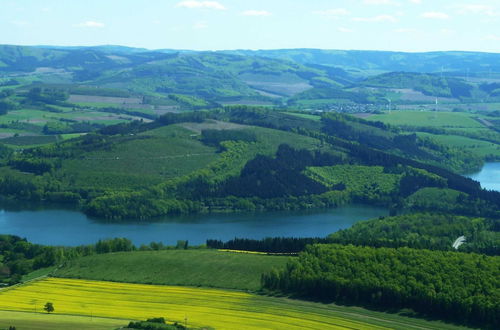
<point>489,176</point>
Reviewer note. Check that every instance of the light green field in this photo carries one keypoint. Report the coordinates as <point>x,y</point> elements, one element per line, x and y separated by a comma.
<point>12,131</point>
<point>30,140</point>
<point>272,138</point>
<point>165,153</point>
<point>208,268</point>
<point>40,118</point>
<point>304,115</point>
<point>70,135</point>
<point>320,102</point>
<point>428,119</point>
<point>96,104</point>
<point>35,117</point>
<point>220,309</point>
<point>479,147</point>
<point>42,321</point>
<point>356,178</point>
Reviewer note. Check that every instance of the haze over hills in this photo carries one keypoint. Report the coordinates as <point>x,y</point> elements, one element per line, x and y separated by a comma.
<point>307,78</point>
<point>382,61</point>
<point>456,62</point>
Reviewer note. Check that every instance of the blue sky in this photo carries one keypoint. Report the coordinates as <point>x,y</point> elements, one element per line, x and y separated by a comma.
<point>399,25</point>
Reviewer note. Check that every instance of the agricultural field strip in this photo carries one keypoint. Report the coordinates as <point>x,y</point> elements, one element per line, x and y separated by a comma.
<point>485,122</point>
<point>110,299</point>
<point>146,158</point>
<point>429,118</point>
<point>42,321</point>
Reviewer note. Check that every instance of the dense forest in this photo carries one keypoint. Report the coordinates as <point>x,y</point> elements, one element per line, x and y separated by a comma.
<point>286,245</point>
<point>424,231</point>
<point>346,160</point>
<point>459,286</point>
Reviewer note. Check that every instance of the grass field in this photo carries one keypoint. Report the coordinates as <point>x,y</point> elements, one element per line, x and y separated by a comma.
<point>28,140</point>
<point>209,268</point>
<point>304,115</point>
<point>35,117</point>
<point>459,130</point>
<point>41,321</point>
<point>40,118</point>
<point>315,103</point>
<point>428,119</point>
<point>479,147</point>
<point>355,177</point>
<point>221,309</point>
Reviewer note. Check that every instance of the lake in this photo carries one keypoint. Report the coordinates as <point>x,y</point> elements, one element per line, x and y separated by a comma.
<point>489,176</point>
<point>71,228</point>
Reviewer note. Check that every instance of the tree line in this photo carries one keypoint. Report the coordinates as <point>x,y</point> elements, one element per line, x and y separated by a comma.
<point>269,244</point>
<point>433,231</point>
<point>462,287</point>
<point>19,257</point>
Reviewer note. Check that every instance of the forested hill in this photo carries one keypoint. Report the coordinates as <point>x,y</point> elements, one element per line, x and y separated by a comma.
<point>346,81</point>
<point>428,84</point>
<point>243,158</point>
<point>384,61</point>
<point>207,75</point>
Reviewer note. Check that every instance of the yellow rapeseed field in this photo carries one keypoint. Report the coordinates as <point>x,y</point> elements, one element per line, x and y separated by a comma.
<point>220,309</point>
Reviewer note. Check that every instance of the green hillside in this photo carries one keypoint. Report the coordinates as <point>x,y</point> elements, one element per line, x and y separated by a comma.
<point>207,268</point>
<point>238,159</point>
<point>428,84</point>
<point>364,63</point>
<point>426,231</point>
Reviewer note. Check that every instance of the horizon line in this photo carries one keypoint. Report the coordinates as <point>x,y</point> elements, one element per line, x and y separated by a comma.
<point>250,49</point>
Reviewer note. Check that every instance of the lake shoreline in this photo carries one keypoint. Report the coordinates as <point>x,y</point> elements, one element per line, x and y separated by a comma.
<point>72,228</point>
<point>488,176</point>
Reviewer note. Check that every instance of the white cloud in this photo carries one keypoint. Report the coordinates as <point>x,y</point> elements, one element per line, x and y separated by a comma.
<point>478,9</point>
<point>379,18</point>
<point>418,2</point>
<point>345,30</point>
<point>380,2</point>
<point>336,12</point>
<point>90,24</point>
<point>200,26</point>
<point>435,15</point>
<point>256,13</point>
<point>201,4</point>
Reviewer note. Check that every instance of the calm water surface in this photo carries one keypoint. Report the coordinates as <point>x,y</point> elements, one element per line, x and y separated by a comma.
<point>489,176</point>
<point>66,227</point>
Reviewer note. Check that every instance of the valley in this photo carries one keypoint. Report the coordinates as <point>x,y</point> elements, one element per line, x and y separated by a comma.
<point>295,188</point>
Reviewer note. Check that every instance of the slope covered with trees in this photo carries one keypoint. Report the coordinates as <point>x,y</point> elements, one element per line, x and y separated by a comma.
<point>241,158</point>
<point>424,231</point>
<point>459,286</point>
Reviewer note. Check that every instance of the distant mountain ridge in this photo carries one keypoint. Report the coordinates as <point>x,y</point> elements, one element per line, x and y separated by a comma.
<point>322,79</point>
<point>388,61</point>
<point>437,61</point>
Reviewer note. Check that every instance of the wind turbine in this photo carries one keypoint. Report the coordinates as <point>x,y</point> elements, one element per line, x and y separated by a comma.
<point>390,103</point>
